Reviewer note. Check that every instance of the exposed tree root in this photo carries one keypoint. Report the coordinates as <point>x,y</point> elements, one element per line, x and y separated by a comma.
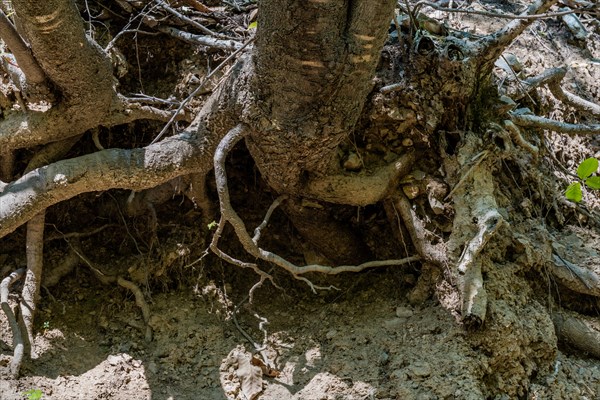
<point>18,347</point>
<point>228,215</point>
<point>107,279</point>
<point>575,277</point>
<point>476,220</point>
<point>362,190</point>
<point>33,278</point>
<point>141,303</point>
<point>580,332</point>
<point>469,268</point>
<point>533,121</point>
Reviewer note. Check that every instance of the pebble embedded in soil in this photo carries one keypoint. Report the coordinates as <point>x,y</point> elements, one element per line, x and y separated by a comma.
<point>404,312</point>
<point>419,369</point>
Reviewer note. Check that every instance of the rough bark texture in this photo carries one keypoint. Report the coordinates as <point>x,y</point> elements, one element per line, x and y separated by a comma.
<point>314,64</point>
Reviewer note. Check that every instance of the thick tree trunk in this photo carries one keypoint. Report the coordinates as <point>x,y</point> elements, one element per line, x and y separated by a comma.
<point>314,67</point>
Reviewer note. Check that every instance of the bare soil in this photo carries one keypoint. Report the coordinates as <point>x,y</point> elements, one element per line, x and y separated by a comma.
<point>364,341</point>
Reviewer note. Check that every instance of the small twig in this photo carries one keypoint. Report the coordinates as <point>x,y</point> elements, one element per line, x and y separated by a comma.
<point>78,235</point>
<point>204,81</point>
<point>190,21</point>
<point>208,41</point>
<point>112,43</point>
<point>18,348</point>
<point>392,88</point>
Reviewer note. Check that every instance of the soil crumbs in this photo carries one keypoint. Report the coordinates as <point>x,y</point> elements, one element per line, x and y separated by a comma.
<point>354,344</point>
<point>363,342</point>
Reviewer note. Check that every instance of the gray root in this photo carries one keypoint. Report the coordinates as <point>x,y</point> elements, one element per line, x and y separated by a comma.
<point>228,215</point>
<point>18,347</point>
<point>33,277</point>
<point>474,302</point>
<point>577,278</point>
<point>578,331</point>
<point>435,254</point>
<point>533,121</point>
<point>476,202</point>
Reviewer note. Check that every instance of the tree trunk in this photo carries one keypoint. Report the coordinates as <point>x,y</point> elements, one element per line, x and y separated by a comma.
<point>314,64</point>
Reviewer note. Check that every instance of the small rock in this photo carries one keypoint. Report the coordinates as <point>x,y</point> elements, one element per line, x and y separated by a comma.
<point>152,367</point>
<point>394,323</point>
<point>353,162</point>
<point>331,334</point>
<point>113,360</point>
<point>420,369</point>
<point>404,312</point>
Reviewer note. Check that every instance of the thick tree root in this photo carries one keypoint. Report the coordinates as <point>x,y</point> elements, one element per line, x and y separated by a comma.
<point>578,331</point>
<point>18,348</point>
<point>476,220</point>
<point>33,278</point>
<point>469,268</point>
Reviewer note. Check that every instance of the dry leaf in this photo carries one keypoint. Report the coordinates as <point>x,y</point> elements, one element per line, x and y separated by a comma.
<point>250,377</point>
<point>266,370</point>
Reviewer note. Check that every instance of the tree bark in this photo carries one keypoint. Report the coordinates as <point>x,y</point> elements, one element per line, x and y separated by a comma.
<point>314,65</point>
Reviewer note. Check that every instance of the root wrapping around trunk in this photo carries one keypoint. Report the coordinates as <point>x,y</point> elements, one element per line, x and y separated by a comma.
<point>229,215</point>
<point>18,346</point>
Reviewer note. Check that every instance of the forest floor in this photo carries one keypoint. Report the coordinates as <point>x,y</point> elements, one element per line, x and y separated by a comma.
<point>365,341</point>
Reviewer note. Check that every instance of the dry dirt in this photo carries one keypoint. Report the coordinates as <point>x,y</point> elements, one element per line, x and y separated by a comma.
<point>364,341</point>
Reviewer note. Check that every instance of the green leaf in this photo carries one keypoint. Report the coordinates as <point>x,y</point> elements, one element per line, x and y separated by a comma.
<point>573,192</point>
<point>33,394</point>
<point>212,225</point>
<point>587,167</point>
<point>253,25</point>
<point>593,182</point>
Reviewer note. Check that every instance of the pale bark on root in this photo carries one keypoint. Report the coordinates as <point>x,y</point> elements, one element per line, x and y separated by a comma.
<point>534,121</point>
<point>476,220</point>
<point>578,331</point>
<point>33,279</point>
<point>18,347</point>
<point>228,215</point>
